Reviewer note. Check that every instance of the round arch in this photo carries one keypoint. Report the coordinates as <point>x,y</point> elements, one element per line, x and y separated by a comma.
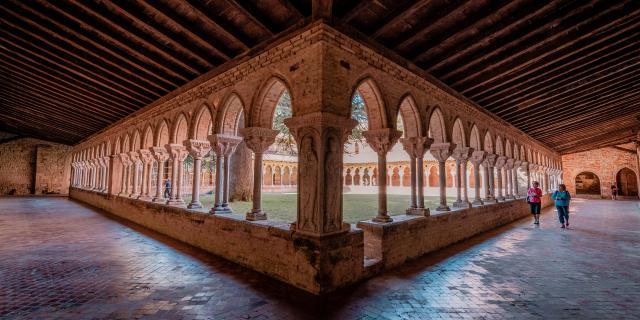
<point>180,131</point>
<point>627,182</point>
<point>202,123</point>
<point>488,142</point>
<point>147,140</point>
<point>410,116</point>
<point>162,134</point>
<point>231,115</point>
<point>587,183</point>
<point>135,141</point>
<point>437,126</point>
<point>458,135</point>
<point>374,103</point>
<point>474,138</point>
<point>267,100</point>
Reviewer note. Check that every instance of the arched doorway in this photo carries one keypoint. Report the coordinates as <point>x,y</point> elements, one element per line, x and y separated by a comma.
<point>587,183</point>
<point>627,183</point>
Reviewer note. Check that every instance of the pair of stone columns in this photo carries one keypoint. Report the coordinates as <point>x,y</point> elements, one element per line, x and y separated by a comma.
<point>441,152</point>
<point>462,155</point>
<point>416,147</point>
<point>223,146</point>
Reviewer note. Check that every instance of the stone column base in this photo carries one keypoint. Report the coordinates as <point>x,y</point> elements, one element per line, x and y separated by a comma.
<point>462,204</point>
<point>159,200</point>
<point>194,205</point>
<point>175,202</point>
<point>501,199</point>
<point>256,215</point>
<point>223,210</point>
<point>144,198</point>
<point>477,203</point>
<point>381,218</point>
<point>418,212</point>
<point>443,208</point>
<point>489,200</point>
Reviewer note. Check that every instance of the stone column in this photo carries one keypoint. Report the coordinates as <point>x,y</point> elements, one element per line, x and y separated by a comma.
<point>258,140</point>
<point>147,159</point>
<point>416,147</point>
<point>223,145</point>
<point>509,176</point>
<point>98,183</point>
<point>231,148</point>
<point>500,162</point>
<point>135,161</point>
<point>177,153</point>
<point>525,166</point>
<point>442,151</point>
<point>161,155</point>
<point>198,149</point>
<point>462,155</point>
<point>124,161</point>
<point>320,137</point>
<point>489,163</point>
<point>381,141</point>
<point>477,158</point>
<point>516,165</point>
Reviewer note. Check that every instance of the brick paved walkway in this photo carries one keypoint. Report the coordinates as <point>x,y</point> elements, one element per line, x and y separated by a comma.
<point>59,259</point>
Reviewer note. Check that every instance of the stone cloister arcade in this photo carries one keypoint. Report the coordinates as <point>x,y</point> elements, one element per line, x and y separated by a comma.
<point>123,161</point>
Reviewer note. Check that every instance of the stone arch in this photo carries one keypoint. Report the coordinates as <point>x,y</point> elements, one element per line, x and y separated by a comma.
<point>458,135</point>
<point>474,138</point>
<point>523,154</point>
<point>162,136</point>
<point>627,182</point>
<point>406,177</point>
<point>499,146</point>
<point>395,177</point>
<point>277,176</point>
<point>587,183</point>
<point>180,130</point>
<point>231,115</point>
<point>147,139</point>
<point>488,142</point>
<point>116,146</point>
<point>202,123</point>
<point>268,176</point>
<point>125,143</point>
<point>529,155</point>
<point>135,140</point>
<point>373,101</point>
<point>410,116</point>
<point>267,100</point>
<point>508,151</point>
<point>437,126</point>
<point>107,149</point>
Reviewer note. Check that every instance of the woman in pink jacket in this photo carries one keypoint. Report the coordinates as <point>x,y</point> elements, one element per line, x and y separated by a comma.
<point>534,194</point>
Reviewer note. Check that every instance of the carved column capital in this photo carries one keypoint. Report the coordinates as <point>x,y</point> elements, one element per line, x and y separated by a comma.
<point>198,148</point>
<point>134,157</point>
<point>509,164</point>
<point>524,165</point>
<point>500,162</point>
<point>159,153</point>
<point>516,163</point>
<point>462,153</point>
<point>320,120</point>
<point>124,158</point>
<point>382,140</point>
<point>477,157</point>
<point>533,167</point>
<point>416,146</point>
<point>224,144</point>
<point>442,151</point>
<point>257,139</point>
<point>145,156</point>
<point>490,160</point>
<point>177,152</point>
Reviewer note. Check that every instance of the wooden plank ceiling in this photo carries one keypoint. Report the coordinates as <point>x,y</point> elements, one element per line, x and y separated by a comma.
<point>566,71</point>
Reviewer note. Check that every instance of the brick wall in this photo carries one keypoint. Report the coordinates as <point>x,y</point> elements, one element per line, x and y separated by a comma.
<point>32,166</point>
<point>605,163</point>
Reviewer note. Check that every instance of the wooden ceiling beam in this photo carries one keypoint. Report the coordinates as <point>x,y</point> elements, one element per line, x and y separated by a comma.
<point>116,43</point>
<point>321,9</point>
<point>84,66</point>
<point>540,51</point>
<point>255,16</point>
<point>158,35</point>
<point>561,74</point>
<point>129,62</point>
<point>41,122</point>
<point>133,38</point>
<point>68,89</point>
<point>400,14</point>
<point>583,46</point>
<point>60,76</point>
<point>297,15</point>
<point>353,12</point>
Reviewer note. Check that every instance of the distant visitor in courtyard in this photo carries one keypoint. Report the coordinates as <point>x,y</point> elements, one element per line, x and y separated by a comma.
<point>533,198</point>
<point>167,188</point>
<point>562,198</point>
<point>614,192</point>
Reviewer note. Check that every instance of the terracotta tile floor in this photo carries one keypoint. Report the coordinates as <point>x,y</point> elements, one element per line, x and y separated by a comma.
<point>62,260</point>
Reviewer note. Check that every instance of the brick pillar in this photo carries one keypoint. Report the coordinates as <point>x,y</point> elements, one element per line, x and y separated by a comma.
<point>462,155</point>
<point>161,155</point>
<point>416,147</point>
<point>442,151</point>
<point>381,141</point>
<point>320,138</point>
<point>258,140</point>
<point>198,149</point>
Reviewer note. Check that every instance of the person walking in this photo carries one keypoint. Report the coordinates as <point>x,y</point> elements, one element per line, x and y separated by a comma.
<point>614,192</point>
<point>534,196</point>
<point>167,188</point>
<point>562,199</point>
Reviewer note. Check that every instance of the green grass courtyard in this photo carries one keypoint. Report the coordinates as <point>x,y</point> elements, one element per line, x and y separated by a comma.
<point>356,207</point>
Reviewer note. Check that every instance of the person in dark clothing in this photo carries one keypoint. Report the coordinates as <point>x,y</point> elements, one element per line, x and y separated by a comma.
<point>167,188</point>
<point>562,199</point>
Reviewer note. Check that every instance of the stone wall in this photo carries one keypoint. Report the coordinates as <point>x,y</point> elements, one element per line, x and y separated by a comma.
<point>409,237</point>
<point>270,247</point>
<point>32,166</point>
<point>604,162</point>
